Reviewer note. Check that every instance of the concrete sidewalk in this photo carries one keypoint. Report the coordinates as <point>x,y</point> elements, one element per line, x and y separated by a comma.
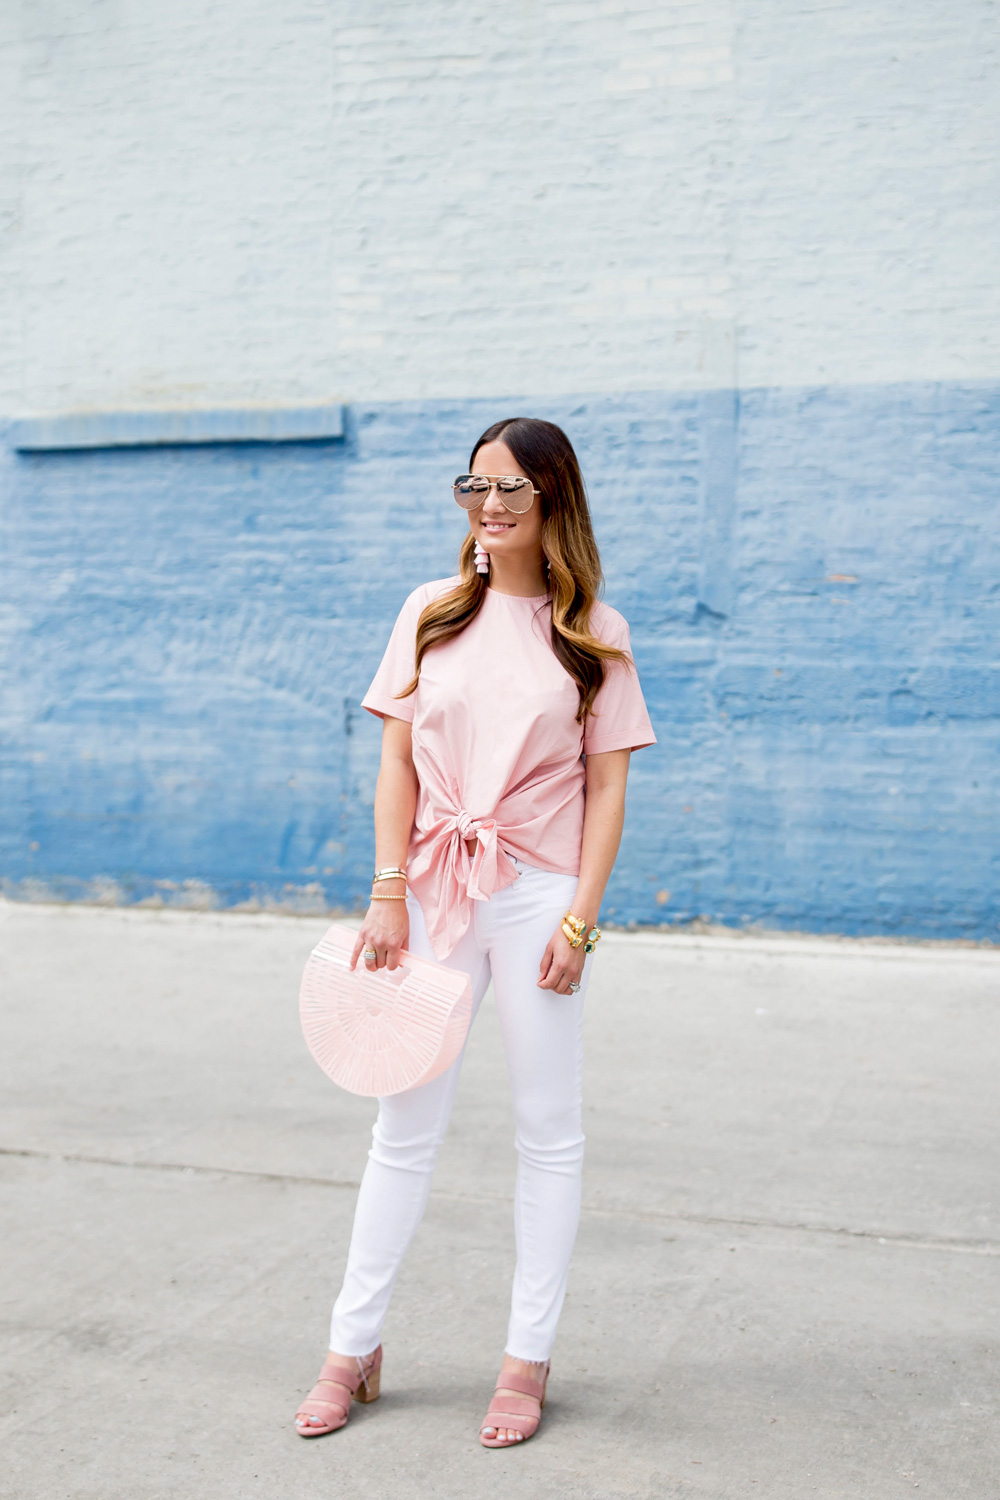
<point>786,1277</point>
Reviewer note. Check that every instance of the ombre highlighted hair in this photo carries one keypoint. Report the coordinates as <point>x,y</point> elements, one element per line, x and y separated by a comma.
<point>546,457</point>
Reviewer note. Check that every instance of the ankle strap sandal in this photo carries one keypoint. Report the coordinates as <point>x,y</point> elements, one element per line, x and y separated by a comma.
<point>328,1406</point>
<point>515,1413</point>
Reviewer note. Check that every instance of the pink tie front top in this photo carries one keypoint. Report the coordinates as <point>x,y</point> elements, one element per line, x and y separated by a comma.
<point>496,747</point>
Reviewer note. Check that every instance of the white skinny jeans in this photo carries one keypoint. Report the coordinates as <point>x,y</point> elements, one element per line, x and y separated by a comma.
<point>543,1042</point>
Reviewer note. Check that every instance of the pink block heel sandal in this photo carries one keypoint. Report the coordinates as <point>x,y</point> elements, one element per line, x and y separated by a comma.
<point>331,1404</point>
<point>514,1412</point>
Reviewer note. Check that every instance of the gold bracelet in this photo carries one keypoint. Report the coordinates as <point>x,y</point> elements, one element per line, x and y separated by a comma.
<point>576,932</point>
<point>574,928</point>
<point>391,872</point>
<point>387,898</point>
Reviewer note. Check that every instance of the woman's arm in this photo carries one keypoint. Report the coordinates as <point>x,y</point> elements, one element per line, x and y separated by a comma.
<point>603,818</point>
<point>386,926</point>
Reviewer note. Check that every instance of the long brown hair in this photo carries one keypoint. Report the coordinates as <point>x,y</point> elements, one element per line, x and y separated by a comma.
<point>545,456</point>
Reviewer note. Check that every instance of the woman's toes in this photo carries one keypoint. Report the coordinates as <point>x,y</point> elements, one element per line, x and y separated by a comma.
<point>506,1435</point>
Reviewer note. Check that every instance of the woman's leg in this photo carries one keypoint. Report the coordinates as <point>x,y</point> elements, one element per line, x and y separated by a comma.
<point>397,1179</point>
<point>543,1041</point>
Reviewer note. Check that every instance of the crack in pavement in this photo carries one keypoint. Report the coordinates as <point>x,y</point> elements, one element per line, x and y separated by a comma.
<point>873,1236</point>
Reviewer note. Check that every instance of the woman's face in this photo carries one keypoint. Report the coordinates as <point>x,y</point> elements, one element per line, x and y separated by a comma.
<point>501,532</point>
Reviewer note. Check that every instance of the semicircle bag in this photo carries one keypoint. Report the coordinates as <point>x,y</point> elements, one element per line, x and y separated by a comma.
<point>382,1031</point>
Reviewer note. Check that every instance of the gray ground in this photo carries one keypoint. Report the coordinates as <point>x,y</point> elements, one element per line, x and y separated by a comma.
<point>785,1283</point>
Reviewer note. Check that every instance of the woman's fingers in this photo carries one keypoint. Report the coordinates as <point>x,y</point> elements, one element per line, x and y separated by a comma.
<point>384,936</point>
<point>359,945</point>
<point>555,973</point>
<point>558,977</point>
<point>369,945</point>
<point>391,948</point>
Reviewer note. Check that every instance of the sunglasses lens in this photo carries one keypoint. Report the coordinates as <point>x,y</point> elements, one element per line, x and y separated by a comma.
<point>471,490</point>
<point>516,494</point>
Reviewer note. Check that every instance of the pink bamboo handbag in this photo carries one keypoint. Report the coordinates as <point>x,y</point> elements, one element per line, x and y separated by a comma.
<point>381,1031</point>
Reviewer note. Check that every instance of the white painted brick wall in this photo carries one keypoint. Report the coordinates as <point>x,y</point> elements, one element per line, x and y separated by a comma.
<point>245,201</point>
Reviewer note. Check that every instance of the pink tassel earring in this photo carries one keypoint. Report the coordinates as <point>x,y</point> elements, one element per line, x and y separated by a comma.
<point>482,559</point>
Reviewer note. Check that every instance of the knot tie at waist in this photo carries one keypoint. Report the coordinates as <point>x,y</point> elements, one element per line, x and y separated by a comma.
<point>485,875</point>
<point>440,876</point>
<point>466,824</point>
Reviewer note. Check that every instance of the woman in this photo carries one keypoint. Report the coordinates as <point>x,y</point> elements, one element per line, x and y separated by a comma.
<point>494,842</point>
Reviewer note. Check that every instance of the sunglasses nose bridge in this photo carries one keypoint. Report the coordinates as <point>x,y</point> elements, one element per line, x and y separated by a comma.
<point>493,504</point>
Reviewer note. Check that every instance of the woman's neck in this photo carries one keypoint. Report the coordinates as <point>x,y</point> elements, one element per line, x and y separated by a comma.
<point>515,575</point>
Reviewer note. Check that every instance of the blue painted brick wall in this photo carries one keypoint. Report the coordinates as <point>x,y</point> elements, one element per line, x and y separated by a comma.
<point>812,581</point>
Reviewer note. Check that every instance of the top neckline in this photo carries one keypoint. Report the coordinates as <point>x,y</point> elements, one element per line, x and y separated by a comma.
<point>526,598</point>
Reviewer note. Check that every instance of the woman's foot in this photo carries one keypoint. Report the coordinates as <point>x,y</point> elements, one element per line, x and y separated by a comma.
<point>520,1401</point>
<point>343,1378</point>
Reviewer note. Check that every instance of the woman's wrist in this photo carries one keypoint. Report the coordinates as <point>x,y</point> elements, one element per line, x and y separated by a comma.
<point>587,904</point>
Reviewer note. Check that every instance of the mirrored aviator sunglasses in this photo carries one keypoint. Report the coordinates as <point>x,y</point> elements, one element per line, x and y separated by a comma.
<point>514,491</point>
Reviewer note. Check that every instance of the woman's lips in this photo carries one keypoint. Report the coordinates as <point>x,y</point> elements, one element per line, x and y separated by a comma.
<point>497,526</point>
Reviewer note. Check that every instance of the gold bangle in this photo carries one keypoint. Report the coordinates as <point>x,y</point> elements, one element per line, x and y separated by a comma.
<point>387,898</point>
<point>389,873</point>
<point>576,932</point>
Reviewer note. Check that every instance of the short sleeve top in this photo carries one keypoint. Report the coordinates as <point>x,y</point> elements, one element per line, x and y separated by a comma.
<point>496,746</point>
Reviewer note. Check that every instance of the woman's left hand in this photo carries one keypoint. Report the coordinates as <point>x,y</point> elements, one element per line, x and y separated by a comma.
<point>561,962</point>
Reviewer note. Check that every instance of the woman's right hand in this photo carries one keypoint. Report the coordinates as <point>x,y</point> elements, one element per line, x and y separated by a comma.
<point>387,931</point>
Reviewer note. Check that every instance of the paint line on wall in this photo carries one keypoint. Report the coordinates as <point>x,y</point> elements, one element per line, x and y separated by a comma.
<point>153,429</point>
